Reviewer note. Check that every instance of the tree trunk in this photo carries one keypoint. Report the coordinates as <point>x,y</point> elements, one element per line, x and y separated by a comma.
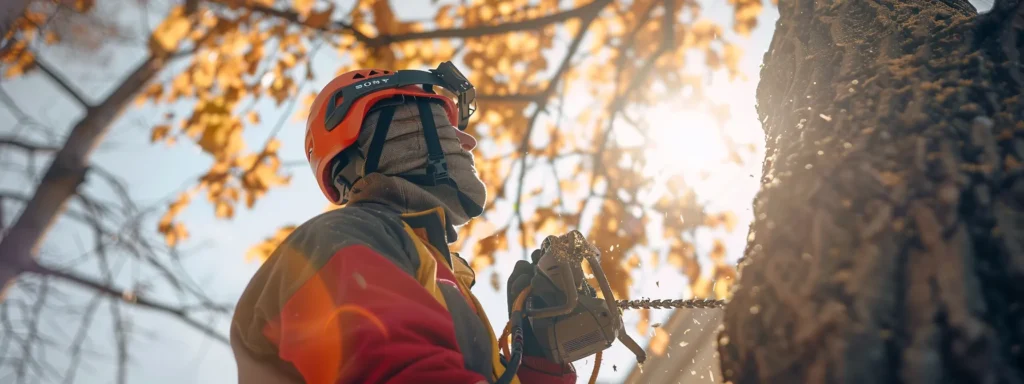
<point>888,244</point>
<point>19,248</point>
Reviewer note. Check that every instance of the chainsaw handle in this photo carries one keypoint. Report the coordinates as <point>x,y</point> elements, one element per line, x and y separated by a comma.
<point>560,274</point>
<point>606,289</point>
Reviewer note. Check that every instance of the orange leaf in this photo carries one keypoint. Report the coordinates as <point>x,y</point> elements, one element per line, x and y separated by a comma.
<point>319,19</point>
<point>262,251</point>
<point>160,132</point>
<point>169,34</point>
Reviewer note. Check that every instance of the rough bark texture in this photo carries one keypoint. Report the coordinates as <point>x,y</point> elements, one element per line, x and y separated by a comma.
<point>888,244</point>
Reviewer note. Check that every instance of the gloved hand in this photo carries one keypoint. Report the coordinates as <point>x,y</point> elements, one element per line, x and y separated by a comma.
<point>522,275</point>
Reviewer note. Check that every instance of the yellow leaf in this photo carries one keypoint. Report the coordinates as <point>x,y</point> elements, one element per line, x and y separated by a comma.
<point>173,231</point>
<point>218,139</point>
<point>253,117</point>
<point>303,7</point>
<point>159,133</point>
<point>224,210</point>
<point>23,61</point>
<point>51,38</point>
<point>262,251</point>
<point>319,19</point>
<point>272,146</point>
<point>168,35</point>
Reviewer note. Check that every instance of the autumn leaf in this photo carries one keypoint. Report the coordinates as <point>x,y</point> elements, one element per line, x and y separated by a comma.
<point>485,250</point>
<point>173,231</point>
<point>168,35</point>
<point>318,19</point>
<point>303,7</point>
<point>262,251</point>
<point>160,132</point>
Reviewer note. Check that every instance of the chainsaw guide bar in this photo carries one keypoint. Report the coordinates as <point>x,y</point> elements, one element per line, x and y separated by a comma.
<point>665,304</point>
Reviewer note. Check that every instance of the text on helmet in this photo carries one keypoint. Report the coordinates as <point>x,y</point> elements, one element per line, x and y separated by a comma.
<point>370,83</point>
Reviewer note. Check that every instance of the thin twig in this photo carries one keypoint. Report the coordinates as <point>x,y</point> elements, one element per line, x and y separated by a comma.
<point>617,103</point>
<point>532,123</point>
<point>81,338</point>
<point>97,286</point>
<point>11,141</point>
<point>64,84</point>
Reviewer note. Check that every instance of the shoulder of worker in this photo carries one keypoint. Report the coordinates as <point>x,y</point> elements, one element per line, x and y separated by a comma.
<point>344,235</point>
<point>354,231</point>
<point>365,225</point>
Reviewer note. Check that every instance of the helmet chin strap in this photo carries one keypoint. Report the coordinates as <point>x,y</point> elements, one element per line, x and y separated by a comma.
<point>437,165</point>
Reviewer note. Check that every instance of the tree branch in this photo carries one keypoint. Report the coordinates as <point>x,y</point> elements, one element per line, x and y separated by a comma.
<point>544,98</point>
<point>66,172</point>
<point>295,18</point>
<point>617,103</point>
<point>588,11</point>
<point>584,11</point>
<point>101,288</point>
<point>10,12</point>
<point>57,78</point>
<point>11,141</point>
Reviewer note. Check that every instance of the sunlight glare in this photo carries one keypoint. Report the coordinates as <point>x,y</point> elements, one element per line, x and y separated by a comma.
<point>683,142</point>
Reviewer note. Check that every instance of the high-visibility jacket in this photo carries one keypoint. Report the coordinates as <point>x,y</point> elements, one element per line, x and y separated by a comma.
<point>366,294</point>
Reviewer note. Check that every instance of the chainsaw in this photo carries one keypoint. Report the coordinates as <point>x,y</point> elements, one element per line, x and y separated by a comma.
<point>572,323</point>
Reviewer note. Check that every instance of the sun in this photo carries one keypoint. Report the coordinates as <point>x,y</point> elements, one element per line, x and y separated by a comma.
<point>682,141</point>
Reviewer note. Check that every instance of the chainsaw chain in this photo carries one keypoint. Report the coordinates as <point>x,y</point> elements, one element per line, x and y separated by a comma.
<point>664,304</point>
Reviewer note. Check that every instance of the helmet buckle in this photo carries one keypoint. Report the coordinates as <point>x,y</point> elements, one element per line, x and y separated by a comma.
<point>437,168</point>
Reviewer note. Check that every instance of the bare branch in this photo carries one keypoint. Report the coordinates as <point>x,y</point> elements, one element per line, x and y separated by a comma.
<point>541,105</point>
<point>115,311</point>
<point>616,105</point>
<point>81,338</point>
<point>67,171</point>
<point>106,290</point>
<point>57,78</point>
<point>11,141</point>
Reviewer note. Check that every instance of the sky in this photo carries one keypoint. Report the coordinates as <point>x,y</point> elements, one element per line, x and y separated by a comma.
<point>173,353</point>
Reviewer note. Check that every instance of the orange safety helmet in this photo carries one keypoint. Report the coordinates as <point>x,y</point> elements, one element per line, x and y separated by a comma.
<point>337,113</point>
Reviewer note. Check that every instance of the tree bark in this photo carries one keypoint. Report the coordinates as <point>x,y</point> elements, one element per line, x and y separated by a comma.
<point>888,242</point>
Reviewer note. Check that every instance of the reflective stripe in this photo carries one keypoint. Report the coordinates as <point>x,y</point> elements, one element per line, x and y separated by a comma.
<point>430,257</point>
<point>426,275</point>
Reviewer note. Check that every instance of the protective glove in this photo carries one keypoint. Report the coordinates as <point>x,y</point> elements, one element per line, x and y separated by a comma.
<point>522,275</point>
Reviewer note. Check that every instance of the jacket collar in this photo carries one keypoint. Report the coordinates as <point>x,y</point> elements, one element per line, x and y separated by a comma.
<point>420,209</point>
<point>430,226</point>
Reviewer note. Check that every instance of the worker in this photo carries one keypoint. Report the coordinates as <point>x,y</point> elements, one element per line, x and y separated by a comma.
<point>370,292</point>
